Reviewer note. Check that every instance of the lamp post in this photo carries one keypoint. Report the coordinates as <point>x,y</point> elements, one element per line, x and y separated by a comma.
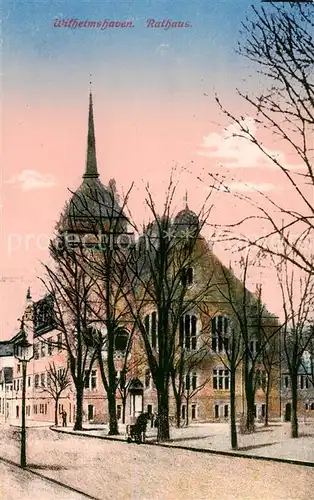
<point>23,352</point>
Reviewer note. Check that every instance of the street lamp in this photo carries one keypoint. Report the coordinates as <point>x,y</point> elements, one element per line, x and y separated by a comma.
<point>23,352</point>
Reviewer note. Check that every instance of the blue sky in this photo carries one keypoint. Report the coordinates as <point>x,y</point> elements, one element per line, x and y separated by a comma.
<point>58,57</point>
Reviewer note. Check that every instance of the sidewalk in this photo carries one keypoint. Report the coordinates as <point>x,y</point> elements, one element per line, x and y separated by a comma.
<point>273,442</point>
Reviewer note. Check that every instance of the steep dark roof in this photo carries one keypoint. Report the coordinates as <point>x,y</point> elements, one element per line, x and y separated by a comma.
<point>6,348</point>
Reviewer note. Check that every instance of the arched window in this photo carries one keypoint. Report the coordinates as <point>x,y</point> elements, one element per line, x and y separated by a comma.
<point>121,340</point>
<point>220,333</point>
<point>150,323</point>
<point>187,331</point>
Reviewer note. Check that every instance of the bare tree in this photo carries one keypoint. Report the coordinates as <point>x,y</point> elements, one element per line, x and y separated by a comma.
<point>252,322</point>
<point>298,333</point>
<point>104,254</point>
<point>58,381</point>
<point>71,291</point>
<point>161,295</point>
<point>278,42</point>
<point>186,370</point>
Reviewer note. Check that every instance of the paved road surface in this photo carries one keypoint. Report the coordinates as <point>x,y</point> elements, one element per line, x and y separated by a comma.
<point>114,470</point>
<point>16,484</point>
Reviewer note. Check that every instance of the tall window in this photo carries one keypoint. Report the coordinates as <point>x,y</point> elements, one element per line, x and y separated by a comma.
<point>42,349</point>
<point>93,379</point>
<point>37,380</point>
<point>221,380</point>
<point>187,276</point>
<point>43,379</point>
<point>254,347</point>
<point>187,331</point>
<point>150,323</point>
<point>190,382</point>
<point>147,378</point>
<point>36,351</point>
<point>90,380</point>
<point>50,346</point>
<point>220,333</point>
<point>121,340</point>
<point>59,341</point>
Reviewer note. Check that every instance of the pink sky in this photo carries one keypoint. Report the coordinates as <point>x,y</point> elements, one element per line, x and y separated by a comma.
<point>44,153</point>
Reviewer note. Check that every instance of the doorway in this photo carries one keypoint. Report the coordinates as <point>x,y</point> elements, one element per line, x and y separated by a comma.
<point>90,412</point>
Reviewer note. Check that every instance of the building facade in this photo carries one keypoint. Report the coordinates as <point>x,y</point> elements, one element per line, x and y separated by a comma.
<point>206,394</point>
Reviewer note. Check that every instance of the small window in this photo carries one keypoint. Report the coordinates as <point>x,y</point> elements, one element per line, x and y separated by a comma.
<point>286,382</point>
<point>17,412</point>
<point>43,379</point>
<point>37,380</point>
<point>29,382</point>
<point>94,379</point>
<point>18,368</point>
<point>312,406</point>
<point>149,409</point>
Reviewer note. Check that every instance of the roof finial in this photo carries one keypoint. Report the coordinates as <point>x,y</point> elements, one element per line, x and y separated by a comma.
<point>28,295</point>
<point>185,198</point>
<point>91,161</point>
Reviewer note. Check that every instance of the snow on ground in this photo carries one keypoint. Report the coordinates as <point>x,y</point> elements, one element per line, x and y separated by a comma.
<point>111,469</point>
<point>273,441</point>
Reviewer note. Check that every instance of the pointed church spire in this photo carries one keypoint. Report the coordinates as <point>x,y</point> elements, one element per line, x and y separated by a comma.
<point>91,161</point>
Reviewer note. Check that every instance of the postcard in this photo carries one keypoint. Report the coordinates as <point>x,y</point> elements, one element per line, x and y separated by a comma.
<point>157,264</point>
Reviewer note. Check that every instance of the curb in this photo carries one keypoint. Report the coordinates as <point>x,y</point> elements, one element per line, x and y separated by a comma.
<point>48,479</point>
<point>198,450</point>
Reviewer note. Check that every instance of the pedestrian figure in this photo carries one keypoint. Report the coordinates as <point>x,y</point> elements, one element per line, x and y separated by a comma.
<point>64,418</point>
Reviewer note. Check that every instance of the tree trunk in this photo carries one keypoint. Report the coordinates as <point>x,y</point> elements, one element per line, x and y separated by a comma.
<point>78,425</point>
<point>178,411</point>
<point>187,411</point>
<point>56,411</point>
<point>233,426</point>
<point>267,404</point>
<point>113,422</point>
<point>123,408</point>
<point>250,400</point>
<point>294,412</point>
<point>163,415</point>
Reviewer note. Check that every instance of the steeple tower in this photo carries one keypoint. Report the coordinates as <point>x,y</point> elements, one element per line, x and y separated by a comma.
<point>91,171</point>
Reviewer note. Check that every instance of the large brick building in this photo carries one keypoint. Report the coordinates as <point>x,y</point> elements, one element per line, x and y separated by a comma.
<point>206,396</point>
